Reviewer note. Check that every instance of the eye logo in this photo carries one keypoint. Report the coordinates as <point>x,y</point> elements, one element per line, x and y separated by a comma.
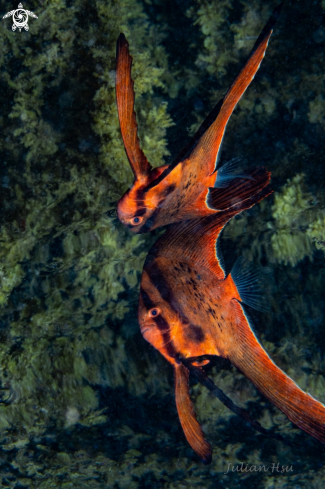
<point>20,18</point>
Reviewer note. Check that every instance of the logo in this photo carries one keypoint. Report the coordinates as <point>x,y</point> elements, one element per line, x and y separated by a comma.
<point>20,18</point>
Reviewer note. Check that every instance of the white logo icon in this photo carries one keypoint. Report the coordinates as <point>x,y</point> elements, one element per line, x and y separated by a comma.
<point>20,18</point>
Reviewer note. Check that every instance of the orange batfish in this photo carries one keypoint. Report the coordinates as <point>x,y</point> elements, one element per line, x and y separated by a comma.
<point>190,309</point>
<point>191,186</point>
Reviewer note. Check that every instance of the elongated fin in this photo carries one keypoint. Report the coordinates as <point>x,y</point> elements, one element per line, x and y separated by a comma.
<point>242,188</point>
<point>209,145</point>
<point>187,417</point>
<point>196,239</point>
<point>194,368</point>
<point>248,282</point>
<point>125,106</point>
<point>206,142</point>
<point>184,153</point>
<point>249,356</point>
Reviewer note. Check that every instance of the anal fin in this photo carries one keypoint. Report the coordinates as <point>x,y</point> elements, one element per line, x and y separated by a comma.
<point>249,356</point>
<point>238,190</point>
<point>192,429</point>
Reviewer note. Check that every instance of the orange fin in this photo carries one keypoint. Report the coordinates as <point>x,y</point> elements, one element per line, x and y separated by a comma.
<point>125,107</point>
<point>187,417</point>
<point>197,239</point>
<point>239,190</point>
<point>249,356</point>
<point>209,143</point>
<point>216,391</point>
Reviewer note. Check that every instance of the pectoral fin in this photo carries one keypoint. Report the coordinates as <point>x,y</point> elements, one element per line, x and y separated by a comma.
<point>244,187</point>
<point>192,429</point>
<point>125,106</point>
<point>249,356</point>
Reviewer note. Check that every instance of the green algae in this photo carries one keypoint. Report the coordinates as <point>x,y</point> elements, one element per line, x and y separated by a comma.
<point>58,238</point>
<point>291,243</point>
<point>89,404</point>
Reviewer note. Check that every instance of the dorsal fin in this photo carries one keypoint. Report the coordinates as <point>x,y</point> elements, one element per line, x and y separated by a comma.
<point>209,144</point>
<point>208,138</point>
<point>196,239</point>
<point>187,417</point>
<point>125,107</point>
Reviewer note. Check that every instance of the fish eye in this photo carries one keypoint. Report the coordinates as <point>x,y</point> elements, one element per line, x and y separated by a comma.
<point>154,312</point>
<point>136,220</point>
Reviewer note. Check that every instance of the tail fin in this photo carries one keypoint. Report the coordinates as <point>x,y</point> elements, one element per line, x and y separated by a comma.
<point>249,356</point>
<point>187,417</point>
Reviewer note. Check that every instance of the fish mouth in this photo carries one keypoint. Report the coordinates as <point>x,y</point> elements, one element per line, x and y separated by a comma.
<point>144,332</point>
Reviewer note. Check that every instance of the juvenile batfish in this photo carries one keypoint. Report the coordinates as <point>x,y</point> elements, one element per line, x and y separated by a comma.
<point>189,309</point>
<point>191,186</point>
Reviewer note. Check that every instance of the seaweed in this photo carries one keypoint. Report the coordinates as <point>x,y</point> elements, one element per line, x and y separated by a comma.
<point>85,402</point>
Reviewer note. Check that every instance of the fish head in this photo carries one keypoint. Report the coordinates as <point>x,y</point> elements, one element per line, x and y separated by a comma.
<point>132,210</point>
<point>159,323</point>
<point>142,207</point>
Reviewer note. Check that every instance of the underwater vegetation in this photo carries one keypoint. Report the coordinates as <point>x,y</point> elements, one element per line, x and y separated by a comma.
<point>86,403</point>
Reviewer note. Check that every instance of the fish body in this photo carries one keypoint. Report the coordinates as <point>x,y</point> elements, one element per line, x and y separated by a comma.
<point>188,187</point>
<point>190,296</point>
<point>190,309</point>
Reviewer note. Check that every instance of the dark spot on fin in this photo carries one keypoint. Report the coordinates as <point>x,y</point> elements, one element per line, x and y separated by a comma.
<point>248,282</point>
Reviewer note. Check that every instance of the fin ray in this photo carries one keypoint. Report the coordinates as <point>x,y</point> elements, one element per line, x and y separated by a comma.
<point>125,106</point>
<point>239,190</point>
<point>209,144</point>
<point>191,427</point>
<point>196,239</point>
<point>208,138</point>
<point>228,172</point>
<point>219,394</point>
<point>249,356</point>
<point>248,282</point>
